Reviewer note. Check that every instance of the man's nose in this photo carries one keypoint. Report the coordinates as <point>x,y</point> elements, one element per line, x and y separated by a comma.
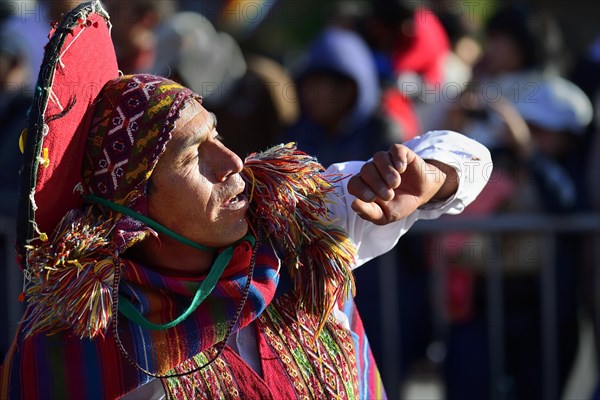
<point>229,163</point>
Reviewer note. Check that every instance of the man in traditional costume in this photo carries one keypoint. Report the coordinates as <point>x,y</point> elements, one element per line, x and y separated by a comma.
<point>157,263</point>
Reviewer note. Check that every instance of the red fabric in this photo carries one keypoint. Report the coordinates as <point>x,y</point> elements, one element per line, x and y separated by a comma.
<point>400,108</point>
<point>63,366</point>
<point>88,62</point>
<point>427,49</point>
<point>460,279</point>
<point>459,287</point>
<point>250,384</point>
<point>500,188</point>
<point>272,370</point>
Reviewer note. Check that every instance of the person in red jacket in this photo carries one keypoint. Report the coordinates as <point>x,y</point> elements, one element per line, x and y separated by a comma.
<point>157,263</point>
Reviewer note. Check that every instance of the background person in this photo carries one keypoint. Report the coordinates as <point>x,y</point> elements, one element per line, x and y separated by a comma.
<point>165,204</point>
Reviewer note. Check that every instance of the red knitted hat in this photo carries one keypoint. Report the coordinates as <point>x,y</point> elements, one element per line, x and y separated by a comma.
<point>95,133</point>
<point>78,61</point>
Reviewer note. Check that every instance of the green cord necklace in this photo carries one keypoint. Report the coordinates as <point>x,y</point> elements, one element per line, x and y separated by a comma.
<point>206,287</point>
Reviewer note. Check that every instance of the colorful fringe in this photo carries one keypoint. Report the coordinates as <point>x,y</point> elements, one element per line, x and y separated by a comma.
<point>288,198</point>
<point>71,277</point>
<point>62,366</point>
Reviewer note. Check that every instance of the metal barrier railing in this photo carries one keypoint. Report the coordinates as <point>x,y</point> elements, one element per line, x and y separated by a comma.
<point>545,226</point>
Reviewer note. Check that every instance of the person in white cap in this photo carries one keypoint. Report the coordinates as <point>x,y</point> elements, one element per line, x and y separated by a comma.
<point>134,164</point>
<point>537,170</point>
<point>559,107</point>
<point>555,118</point>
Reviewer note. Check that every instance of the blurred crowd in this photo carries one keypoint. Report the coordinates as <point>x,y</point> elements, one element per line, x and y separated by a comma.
<point>375,73</point>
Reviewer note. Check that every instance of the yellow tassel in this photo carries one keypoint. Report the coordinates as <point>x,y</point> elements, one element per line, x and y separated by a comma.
<point>23,140</point>
<point>45,157</point>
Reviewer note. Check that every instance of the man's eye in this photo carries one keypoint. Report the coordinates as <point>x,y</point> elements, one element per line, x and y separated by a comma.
<point>188,158</point>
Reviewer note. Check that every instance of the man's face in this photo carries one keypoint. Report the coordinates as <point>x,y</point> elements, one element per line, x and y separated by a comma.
<point>195,189</point>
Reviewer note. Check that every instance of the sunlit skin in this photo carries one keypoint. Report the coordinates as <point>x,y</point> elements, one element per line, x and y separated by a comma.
<point>196,191</point>
<point>396,182</point>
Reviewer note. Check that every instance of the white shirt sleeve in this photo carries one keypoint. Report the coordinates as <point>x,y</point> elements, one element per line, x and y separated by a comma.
<point>470,159</point>
<point>473,164</point>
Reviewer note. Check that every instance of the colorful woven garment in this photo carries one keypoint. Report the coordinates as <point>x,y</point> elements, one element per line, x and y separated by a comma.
<point>337,365</point>
<point>132,123</point>
<point>80,283</point>
<point>72,274</point>
<point>71,294</point>
<point>63,366</point>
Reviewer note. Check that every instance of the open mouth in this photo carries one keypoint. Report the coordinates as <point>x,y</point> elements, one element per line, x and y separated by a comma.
<point>237,201</point>
<point>234,199</point>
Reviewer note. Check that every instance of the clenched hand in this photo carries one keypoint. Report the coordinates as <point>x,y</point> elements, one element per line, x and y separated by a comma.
<point>396,182</point>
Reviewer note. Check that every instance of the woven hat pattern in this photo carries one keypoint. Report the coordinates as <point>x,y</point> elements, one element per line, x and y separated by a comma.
<point>131,126</point>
